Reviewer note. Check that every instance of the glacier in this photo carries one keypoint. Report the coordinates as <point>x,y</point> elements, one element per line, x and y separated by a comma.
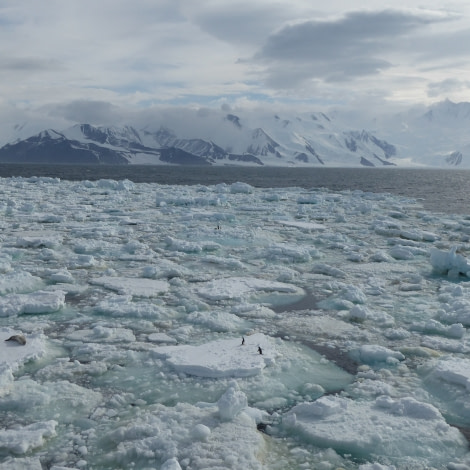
<point>229,326</point>
<point>430,137</point>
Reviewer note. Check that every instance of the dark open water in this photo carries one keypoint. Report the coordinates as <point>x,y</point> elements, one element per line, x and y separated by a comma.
<point>438,190</point>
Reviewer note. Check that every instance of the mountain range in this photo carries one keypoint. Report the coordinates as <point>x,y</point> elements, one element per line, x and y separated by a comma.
<point>436,136</point>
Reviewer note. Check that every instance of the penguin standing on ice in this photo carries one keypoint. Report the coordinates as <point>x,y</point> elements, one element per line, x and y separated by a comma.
<point>243,340</point>
<point>260,350</point>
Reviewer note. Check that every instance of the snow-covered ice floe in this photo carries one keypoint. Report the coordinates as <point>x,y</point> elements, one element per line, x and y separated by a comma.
<point>146,326</point>
<point>365,429</point>
<point>138,287</point>
<point>16,349</point>
<point>222,358</point>
<point>37,302</point>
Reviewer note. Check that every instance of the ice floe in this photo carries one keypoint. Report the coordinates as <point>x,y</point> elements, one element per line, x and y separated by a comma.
<point>14,354</point>
<point>364,429</point>
<point>240,287</point>
<point>137,287</point>
<point>20,441</point>
<point>37,302</point>
<point>223,358</point>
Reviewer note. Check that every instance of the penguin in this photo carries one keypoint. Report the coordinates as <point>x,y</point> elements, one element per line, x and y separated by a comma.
<point>260,350</point>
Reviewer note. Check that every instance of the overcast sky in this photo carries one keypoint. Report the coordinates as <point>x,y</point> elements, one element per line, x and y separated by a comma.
<point>84,59</point>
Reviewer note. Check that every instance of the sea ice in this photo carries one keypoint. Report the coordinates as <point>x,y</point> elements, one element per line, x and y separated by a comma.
<point>19,281</point>
<point>133,286</point>
<point>450,263</point>
<point>20,441</point>
<point>232,402</point>
<point>135,299</point>
<point>68,401</point>
<point>39,240</point>
<point>24,463</point>
<point>374,353</point>
<point>366,429</point>
<point>203,438</point>
<point>103,334</point>
<point>37,302</point>
<point>222,358</point>
<point>161,338</point>
<point>302,225</point>
<point>239,288</point>
<point>13,355</point>
<point>126,306</point>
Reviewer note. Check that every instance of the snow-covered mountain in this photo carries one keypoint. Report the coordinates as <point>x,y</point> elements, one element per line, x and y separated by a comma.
<point>436,136</point>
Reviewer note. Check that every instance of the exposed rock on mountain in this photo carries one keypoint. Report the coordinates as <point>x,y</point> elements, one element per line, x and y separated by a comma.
<point>434,137</point>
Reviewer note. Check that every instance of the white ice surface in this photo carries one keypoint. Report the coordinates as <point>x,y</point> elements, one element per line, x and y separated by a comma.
<point>37,302</point>
<point>302,225</point>
<point>240,287</point>
<point>222,358</point>
<point>365,429</point>
<point>19,281</point>
<point>24,463</point>
<point>136,287</point>
<point>20,441</point>
<point>134,299</point>
<point>202,439</point>
<point>13,355</point>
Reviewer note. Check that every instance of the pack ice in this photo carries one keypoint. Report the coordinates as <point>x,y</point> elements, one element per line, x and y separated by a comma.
<point>146,326</point>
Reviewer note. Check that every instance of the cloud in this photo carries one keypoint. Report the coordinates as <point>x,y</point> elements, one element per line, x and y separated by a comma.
<point>84,111</point>
<point>144,53</point>
<point>239,21</point>
<point>29,65</point>
<point>357,44</point>
<point>442,48</point>
<point>448,87</point>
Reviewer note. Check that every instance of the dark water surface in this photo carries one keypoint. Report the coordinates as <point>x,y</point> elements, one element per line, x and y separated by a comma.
<point>438,190</point>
